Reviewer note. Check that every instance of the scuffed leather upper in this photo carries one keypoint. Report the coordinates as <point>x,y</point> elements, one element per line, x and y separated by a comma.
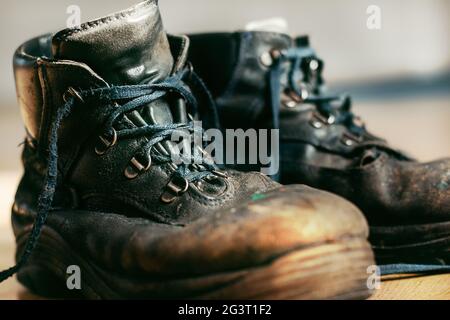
<point>389,186</point>
<point>97,182</point>
<point>249,233</point>
<point>118,46</point>
<point>219,224</point>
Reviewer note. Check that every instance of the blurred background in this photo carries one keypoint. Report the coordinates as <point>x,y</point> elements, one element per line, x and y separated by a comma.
<point>398,75</point>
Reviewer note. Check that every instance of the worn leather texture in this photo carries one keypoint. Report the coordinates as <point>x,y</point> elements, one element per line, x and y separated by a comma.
<point>121,224</point>
<point>95,178</point>
<point>389,186</point>
<point>118,46</point>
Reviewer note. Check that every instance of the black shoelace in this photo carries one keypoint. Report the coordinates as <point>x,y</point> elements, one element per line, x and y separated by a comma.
<point>337,108</point>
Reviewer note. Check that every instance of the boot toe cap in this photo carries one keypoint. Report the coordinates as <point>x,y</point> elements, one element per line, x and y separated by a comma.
<point>272,224</point>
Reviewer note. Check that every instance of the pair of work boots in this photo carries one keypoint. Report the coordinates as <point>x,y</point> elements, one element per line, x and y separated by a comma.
<point>101,190</point>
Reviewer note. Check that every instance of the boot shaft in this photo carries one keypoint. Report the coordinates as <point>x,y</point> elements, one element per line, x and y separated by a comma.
<point>128,47</point>
<point>236,68</point>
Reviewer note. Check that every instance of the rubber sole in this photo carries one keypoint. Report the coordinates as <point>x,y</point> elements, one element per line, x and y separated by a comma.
<point>425,243</point>
<point>336,270</point>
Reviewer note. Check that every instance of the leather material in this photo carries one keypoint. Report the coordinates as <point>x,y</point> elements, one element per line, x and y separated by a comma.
<point>127,47</point>
<point>390,187</point>
<point>252,232</point>
<point>94,178</point>
<point>220,223</point>
<point>28,85</point>
<point>246,84</point>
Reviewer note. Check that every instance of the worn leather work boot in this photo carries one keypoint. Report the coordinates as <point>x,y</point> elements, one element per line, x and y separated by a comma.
<point>100,190</point>
<point>263,80</point>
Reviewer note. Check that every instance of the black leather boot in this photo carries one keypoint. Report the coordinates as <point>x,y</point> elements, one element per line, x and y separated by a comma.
<point>268,80</point>
<point>101,191</point>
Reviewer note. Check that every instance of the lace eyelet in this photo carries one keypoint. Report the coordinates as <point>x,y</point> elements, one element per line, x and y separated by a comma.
<point>72,92</point>
<point>348,142</point>
<point>331,119</point>
<point>316,124</point>
<point>291,99</point>
<point>318,121</point>
<point>106,144</point>
<point>289,103</point>
<point>266,59</point>
<point>220,174</point>
<point>349,139</point>
<point>313,65</point>
<point>174,188</point>
<point>135,167</point>
<point>216,176</point>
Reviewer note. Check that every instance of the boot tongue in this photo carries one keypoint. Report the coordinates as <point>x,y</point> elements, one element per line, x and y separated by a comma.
<point>128,47</point>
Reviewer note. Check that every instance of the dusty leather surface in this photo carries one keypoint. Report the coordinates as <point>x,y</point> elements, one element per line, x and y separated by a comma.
<point>248,234</point>
<point>390,187</point>
<point>121,224</point>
